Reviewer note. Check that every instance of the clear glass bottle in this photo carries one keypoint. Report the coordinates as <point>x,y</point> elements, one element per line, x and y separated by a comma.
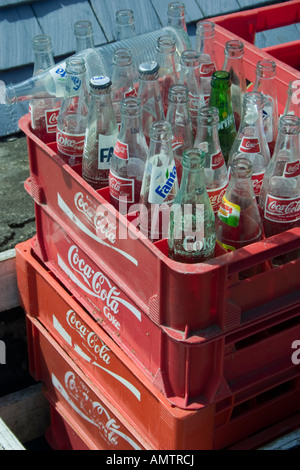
<point>265,82</point>
<point>83,32</point>
<point>279,198</point>
<point>125,24</point>
<point>190,76</point>
<point>73,114</point>
<point>205,45</point>
<point>129,158</point>
<point>220,97</point>
<point>150,96</point>
<point>292,105</point>
<point>215,169</point>
<point>234,64</point>
<point>176,15</point>
<point>192,235</point>
<point>122,80</point>
<point>44,111</point>
<point>238,221</point>
<point>178,116</point>
<point>160,184</point>
<point>251,139</point>
<point>101,134</point>
<point>166,58</point>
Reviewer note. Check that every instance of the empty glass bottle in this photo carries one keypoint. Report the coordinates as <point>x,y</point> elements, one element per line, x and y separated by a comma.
<point>73,114</point>
<point>176,15</point>
<point>44,111</point>
<point>125,24</point>
<point>150,96</point>
<point>83,32</point>
<point>220,97</point>
<point>279,198</point>
<point>160,184</point>
<point>265,82</point>
<point>251,139</point>
<point>238,221</point>
<point>192,235</point>
<point>122,80</point>
<point>178,116</point>
<point>166,58</point>
<point>234,64</point>
<point>292,105</point>
<point>215,169</point>
<point>205,38</point>
<point>101,134</point>
<point>129,158</point>
<point>190,76</point>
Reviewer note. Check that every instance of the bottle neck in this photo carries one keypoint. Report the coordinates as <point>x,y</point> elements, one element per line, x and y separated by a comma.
<point>288,142</point>
<point>42,61</point>
<point>84,42</point>
<point>75,85</point>
<point>207,137</point>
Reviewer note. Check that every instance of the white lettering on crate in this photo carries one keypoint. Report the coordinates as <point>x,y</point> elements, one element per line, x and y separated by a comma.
<point>76,393</point>
<point>96,284</point>
<point>68,212</point>
<point>94,344</point>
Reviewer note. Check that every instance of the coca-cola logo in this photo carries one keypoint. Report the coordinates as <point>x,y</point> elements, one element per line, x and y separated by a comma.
<point>206,69</point>
<point>98,218</point>
<point>282,210</point>
<point>216,197</point>
<point>292,169</point>
<point>217,161</point>
<point>249,145</point>
<point>257,180</point>
<point>69,144</point>
<point>121,188</point>
<point>121,150</point>
<point>92,340</point>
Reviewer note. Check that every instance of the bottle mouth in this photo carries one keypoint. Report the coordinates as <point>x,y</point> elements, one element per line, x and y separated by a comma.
<point>289,124</point>
<point>190,58</point>
<point>193,159</point>
<point>220,78</point>
<point>205,28</point>
<point>166,44</point>
<point>266,68</point>
<point>83,28</point>
<point>125,17</point>
<point>234,48</point>
<point>131,106</point>
<point>122,57</point>
<point>75,65</point>
<point>208,115</point>
<point>241,167</point>
<point>178,93</point>
<point>42,43</point>
<point>160,131</point>
<point>176,10</point>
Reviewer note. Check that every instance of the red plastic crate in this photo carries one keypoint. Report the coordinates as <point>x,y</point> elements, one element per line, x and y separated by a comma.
<point>164,311</point>
<point>245,24</point>
<point>259,385</point>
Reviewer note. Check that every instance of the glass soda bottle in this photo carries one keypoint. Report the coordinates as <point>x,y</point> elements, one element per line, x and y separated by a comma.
<point>190,76</point>
<point>125,24</point>
<point>129,158</point>
<point>73,114</point>
<point>238,221</point>
<point>251,139</point>
<point>176,15</point>
<point>178,116</point>
<point>192,235</point>
<point>150,96</point>
<point>205,38</point>
<point>292,105</point>
<point>166,58</point>
<point>265,82</point>
<point>220,98</point>
<point>160,184</point>
<point>234,64</point>
<point>215,169</point>
<point>83,32</point>
<point>122,80</point>
<point>44,111</point>
<point>101,134</point>
<point>279,198</point>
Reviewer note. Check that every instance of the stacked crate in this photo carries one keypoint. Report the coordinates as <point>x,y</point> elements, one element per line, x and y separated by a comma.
<point>137,351</point>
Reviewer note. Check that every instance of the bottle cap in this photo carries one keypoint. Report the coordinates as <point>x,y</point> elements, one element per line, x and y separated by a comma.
<point>148,68</point>
<point>100,82</point>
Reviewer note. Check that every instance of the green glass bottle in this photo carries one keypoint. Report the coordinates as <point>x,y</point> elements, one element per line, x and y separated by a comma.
<point>220,97</point>
<point>192,235</point>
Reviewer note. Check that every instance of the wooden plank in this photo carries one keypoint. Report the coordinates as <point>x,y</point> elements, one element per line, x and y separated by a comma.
<point>57,19</point>
<point>282,35</point>
<point>218,7</point>
<point>193,10</point>
<point>26,413</point>
<point>8,440</point>
<point>13,3</point>
<point>9,293</point>
<point>146,19</point>
<point>17,28</point>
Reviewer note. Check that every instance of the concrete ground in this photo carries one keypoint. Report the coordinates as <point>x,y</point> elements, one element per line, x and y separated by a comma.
<point>17,219</point>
